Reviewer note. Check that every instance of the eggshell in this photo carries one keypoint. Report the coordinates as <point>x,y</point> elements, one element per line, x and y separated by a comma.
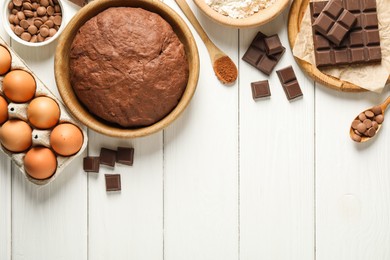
<point>5,60</point>
<point>43,112</point>
<point>66,139</point>
<point>15,135</point>
<point>19,86</point>
<point>3,110</point>
<point>40,163</point>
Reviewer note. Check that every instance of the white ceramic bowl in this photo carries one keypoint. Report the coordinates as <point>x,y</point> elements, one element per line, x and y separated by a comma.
<point>7,27</point>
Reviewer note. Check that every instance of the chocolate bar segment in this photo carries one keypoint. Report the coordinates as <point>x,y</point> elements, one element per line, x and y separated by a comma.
<point>107,157</point>
<point>260,89</point>
<point>289,83</point>
<point>256,55</point>
<point>334,22</point>
<point>125,155</point>
<point>361,45</point>
<point>91,164</point>
<point>273,45</point>
<point>113,182</point>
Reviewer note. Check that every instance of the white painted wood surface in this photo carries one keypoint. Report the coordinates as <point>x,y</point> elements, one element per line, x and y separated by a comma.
<point>230,179</point>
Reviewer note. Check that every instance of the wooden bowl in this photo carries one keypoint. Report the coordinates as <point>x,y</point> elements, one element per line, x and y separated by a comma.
<point>259,18</point>
<point>62,66</point>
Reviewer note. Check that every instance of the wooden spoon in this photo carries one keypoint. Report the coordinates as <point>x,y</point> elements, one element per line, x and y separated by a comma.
<point>224,67</point>
<point>364,138</point>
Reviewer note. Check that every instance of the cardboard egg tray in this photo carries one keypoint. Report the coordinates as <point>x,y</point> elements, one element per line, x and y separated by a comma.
<point>39,137</point>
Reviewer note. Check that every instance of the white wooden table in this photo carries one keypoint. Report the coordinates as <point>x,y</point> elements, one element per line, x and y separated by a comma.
<point>230,179</point>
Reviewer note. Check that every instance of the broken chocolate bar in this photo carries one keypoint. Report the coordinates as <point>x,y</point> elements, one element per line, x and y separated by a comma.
<point>361,45</point>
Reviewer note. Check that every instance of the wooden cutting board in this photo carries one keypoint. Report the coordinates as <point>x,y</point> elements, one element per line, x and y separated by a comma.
<point>297,11</point>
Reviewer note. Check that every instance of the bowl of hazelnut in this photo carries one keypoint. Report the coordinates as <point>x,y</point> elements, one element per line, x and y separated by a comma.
<point>33,22</point>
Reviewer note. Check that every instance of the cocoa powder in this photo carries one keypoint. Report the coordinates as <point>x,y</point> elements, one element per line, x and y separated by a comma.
<point>225,69</point>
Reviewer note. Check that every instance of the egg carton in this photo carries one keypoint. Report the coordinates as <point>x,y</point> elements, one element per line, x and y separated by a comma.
<point>39,137</point>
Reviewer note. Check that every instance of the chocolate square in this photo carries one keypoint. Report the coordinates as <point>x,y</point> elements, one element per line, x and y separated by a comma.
<point>113,182</point>
<point>260,89</point>
<point>91,164</point>
<point>125,155</point>
<point>289,83</point>
<point>273,45</point>
<point>107,157</point>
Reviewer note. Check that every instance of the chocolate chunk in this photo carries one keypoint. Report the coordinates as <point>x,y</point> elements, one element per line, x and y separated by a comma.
<point>113,182</point>
<point>125,155</point>
<point>107,157</point>
<point>91,164</point>
<point>256,55</point>
<point>361,45</point>
<point>260,89</point>
<point>289,83</point>
<point>273,45</point>
<point>334,22</point>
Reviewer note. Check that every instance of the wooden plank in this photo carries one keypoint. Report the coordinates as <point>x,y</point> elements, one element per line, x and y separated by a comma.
<point>352,181</point>
<point>276,162</point>
<point>128,224</point>
<point>49,222</point>
<point>201,162</point>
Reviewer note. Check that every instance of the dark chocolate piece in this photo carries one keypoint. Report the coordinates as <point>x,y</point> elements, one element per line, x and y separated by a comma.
<point>260,89</point>
<point>80,3</point>
<point>256,55</point>
<point>107,157</point>
<point>91,164</point>
<point>125,155</point>
<point>361,45</point>
<point>113,182</point>
<point>334,22</point>
<point>289,83</point>
<point>273,45</point>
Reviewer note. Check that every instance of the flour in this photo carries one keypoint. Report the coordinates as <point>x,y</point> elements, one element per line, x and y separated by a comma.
<point>239,8</point>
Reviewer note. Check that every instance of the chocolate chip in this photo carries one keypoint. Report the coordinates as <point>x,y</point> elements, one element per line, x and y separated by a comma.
<point>24,24</point>
<point>355,124</point>
<point>356,138</point>
<point>371,132</point>
<point>369,114</point>
<point>57,20</point>
<point>368,123</point>
<point>44,31</point>
<point>32,29</point>
<point>41,11</point>
<point>361,128</point>
<point>379,119</point>
<point>362,117</point>
<point>17,2</point>
<point>377,110</point>
<point>18,30</point>
<point>25,36</point>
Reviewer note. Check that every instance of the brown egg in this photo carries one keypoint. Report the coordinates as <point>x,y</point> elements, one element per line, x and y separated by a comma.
<point>5,60</point>
<point>40,163</point>
<point>19,86</point>
<point>3,110</point>
<point>43,112</point>
<point>66,139</point>
<point>15,135</point>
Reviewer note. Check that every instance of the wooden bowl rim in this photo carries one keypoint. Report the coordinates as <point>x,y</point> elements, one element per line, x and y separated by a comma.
<point>259,18</point>
<point>66,90</point>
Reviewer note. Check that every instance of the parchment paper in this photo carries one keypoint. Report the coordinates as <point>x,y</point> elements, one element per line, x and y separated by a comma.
<point>370,77</point>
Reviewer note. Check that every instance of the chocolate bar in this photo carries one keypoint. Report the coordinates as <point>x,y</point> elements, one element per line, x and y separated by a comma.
<point>125,155</point>
<point>91,164</point>
<point>107,157</point>
<point>260,89</point>
<point>113,182</point>
<point>256,55</point>
<point>361,45</point>
<point>334,22</point>
<point>289,83</point>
